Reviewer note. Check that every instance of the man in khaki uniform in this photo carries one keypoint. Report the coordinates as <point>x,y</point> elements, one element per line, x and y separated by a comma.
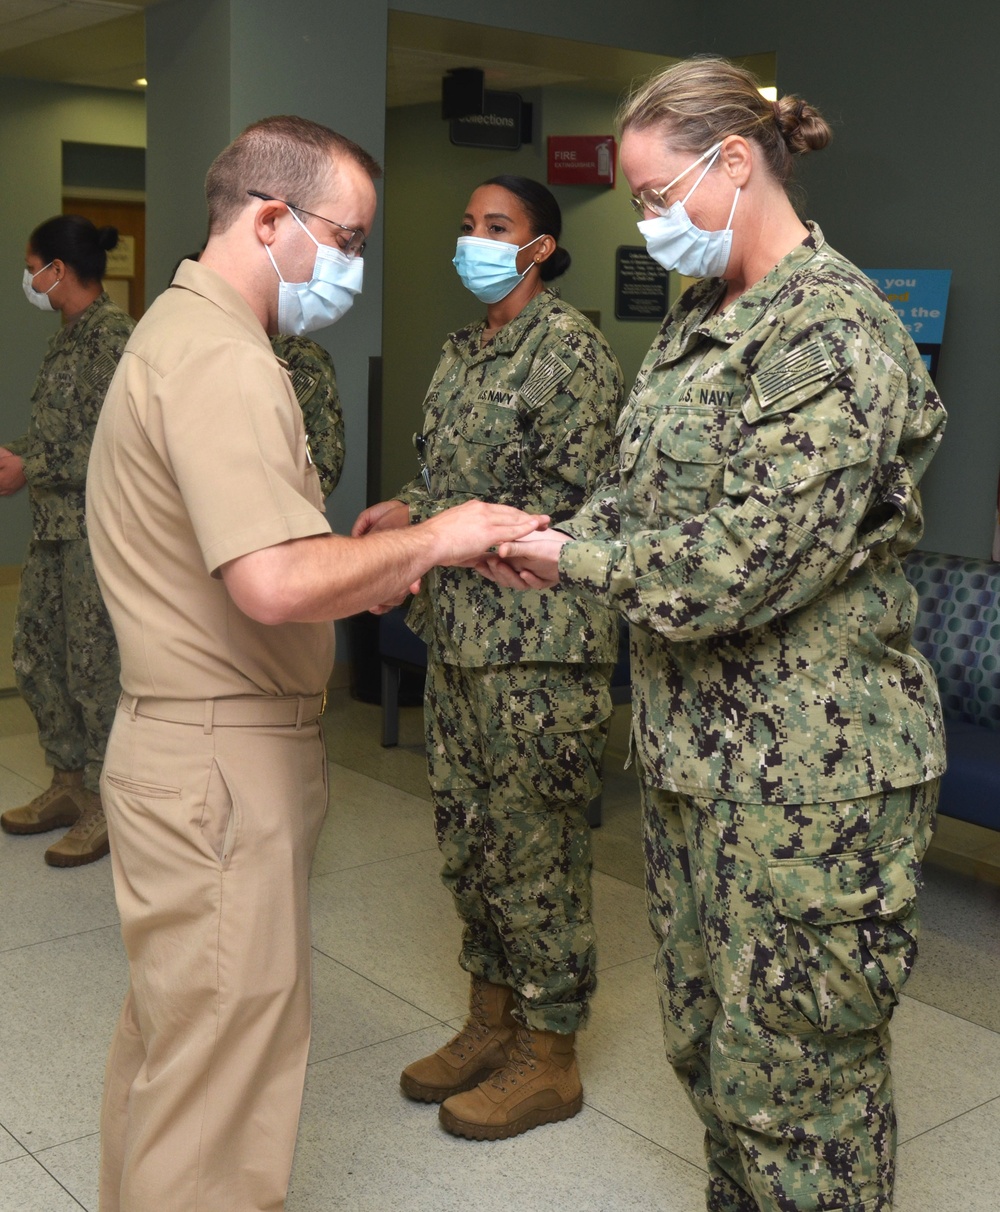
<point>221,576</point>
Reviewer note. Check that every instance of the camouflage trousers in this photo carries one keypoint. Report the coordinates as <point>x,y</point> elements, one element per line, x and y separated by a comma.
<point>514,759</point>
<point>65,655</point>
<point>785,935</point>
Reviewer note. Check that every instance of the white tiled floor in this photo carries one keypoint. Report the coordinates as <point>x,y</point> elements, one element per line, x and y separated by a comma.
<point>387,988</point>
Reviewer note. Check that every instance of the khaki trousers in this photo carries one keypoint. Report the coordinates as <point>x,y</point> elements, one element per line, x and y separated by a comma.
<point>212,832</point>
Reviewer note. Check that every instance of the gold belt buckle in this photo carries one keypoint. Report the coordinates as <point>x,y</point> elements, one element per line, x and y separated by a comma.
<point>322,706</point>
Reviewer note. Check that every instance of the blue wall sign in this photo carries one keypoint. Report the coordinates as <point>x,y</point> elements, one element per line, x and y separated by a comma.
<point>919,297</point>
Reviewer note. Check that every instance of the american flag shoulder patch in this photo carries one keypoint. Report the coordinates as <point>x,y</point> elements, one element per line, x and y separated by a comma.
<point>544,380</point>
<point>303,384</point>
<point>809,363</point>
<point>99,371</point>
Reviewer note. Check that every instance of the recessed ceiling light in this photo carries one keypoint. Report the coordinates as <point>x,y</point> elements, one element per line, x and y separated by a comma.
<point>769,92</point>
<point>141,82</point>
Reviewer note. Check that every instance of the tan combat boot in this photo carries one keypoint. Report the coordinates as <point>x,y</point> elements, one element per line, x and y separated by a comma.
<point>540,1084</point>
<point>55,808</point>
<point>478,1049</point>
<point>87,841</point>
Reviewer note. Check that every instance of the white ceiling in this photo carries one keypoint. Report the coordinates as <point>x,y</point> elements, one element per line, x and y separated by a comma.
<point>102,43</point>
<point>26,21</point>
<point>421,49</point>
<point>92,42</point>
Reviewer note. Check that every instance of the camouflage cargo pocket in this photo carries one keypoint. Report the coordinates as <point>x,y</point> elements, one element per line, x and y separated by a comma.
<point>557,738</point>
<point>845,940</point>
<point>489,441</point>
<point>679,472</point>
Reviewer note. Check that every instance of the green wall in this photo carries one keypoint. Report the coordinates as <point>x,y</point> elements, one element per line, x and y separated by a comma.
<point>35,119</point>
<point>214,66</point>
<point>910,87</point>
<point>908,84</point>
<point>428,183</point>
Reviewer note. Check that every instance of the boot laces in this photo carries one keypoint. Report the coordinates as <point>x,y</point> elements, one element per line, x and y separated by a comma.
<point>476,1027</point>
<point>93,816</point>
<point>53,792</point>
<point>520,1061</point>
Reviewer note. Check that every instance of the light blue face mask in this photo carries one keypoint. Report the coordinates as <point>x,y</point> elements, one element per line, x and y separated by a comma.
<point>677,243</point>
<point>38,298</point>
<point>488,267</point>
<point>336,279</point>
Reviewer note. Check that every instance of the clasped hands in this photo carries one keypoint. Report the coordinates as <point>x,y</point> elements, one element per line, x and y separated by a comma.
<point>529,560</point>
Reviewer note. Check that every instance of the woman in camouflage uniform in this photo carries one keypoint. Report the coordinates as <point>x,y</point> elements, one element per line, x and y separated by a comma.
<point>521,410</point>
<point>789,737</point>
<point>65,656</point>
<point>314,380</point>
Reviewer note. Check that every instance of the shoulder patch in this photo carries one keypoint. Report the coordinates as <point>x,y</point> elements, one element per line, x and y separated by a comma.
<point>793,371</point>
<point>99,371</point>
<point>544,380</point>
<point>303,384</point>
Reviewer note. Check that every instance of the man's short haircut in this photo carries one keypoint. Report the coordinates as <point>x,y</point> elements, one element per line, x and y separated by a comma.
<point>285,156</point>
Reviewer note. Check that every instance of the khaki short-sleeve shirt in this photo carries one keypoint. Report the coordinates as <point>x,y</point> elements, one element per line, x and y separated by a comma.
<point>200,457</point>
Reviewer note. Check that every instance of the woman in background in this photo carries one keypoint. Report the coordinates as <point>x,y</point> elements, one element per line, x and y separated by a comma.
<point>521,410</point>
<point>65,656</point>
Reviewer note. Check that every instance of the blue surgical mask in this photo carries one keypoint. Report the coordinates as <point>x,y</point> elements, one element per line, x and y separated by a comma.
<point>677,243</point>
<point>488,267</point>
<point>38,298</point>
<point>336,279</point>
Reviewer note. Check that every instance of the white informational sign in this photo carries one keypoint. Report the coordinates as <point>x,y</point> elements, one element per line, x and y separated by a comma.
<point>121,259</point>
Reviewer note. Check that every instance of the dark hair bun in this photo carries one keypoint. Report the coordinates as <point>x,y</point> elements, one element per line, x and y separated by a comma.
<point>107,238</point>
<point>556,265</point>
<point>803,128</point>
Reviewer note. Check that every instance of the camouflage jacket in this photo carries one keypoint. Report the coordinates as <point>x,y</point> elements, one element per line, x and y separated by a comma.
<point>528,420</point>
<point>69,391</point>
<point>315,383</point>
<point>765,490</point>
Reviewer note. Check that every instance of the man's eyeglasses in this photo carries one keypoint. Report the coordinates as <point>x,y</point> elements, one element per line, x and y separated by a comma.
<point>356,240</point>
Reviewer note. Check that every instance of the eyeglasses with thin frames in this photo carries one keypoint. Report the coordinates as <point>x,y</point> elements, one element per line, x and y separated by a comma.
<point>355,245</point>
<point>656,199</point>
<point>651,199</point>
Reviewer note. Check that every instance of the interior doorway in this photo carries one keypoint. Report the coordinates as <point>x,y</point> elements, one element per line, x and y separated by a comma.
<point>125,280</point>
<point>106,183</point>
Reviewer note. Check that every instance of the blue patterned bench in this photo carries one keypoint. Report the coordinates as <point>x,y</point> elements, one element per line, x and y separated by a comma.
<point>958,630</point>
